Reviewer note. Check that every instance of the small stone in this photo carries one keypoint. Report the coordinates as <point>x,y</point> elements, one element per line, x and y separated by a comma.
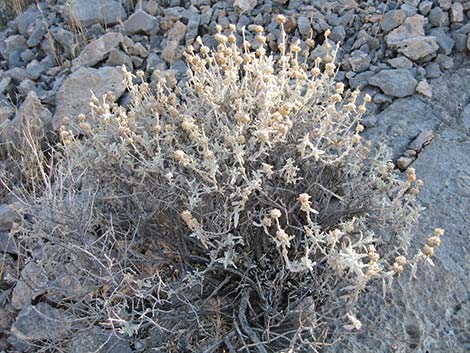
<point>409,10</point>
<point>73,100</point>
<point>33,282</point>
<point>445,62</point>
<point>303,24</point>
<point>177,32</point>
<point>26,56</point>
<point>445,4</point>
<point>7,217</point>
<point>456,12</point>
<point>12,49</point>
<point>37,34</point>
<point>438,18</point>
<point>89,12</point>
<point>26,86</point>
<point>155,62</point>
<point>338,34</point>
<point>396,82</point>
<point>361,79</point>
<point>392,19</point>
<point>141,22</point>
<point>290,25</point>
<point>98,340</point>
<point>468,42</point>
<point>41,322</point>
<point>192,28</point>
<point>118,58</point>
<point>139,50</point>
<point>401,62</point>
<point>466,117</point>
<point>424,88</point>
<point>425,7</point>
<point>444,40</point>
<point>25,19</point>
<point>404,162</point>
<point>97,50</point>
<point>4,83</point>
<point>359,61</point>
<point>460,42</point>
<point>433,70</point>
<point>152,7</point>
<point>244,5</point>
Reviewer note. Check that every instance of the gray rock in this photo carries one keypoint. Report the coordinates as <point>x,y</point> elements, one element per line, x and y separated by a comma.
<point>34,115</point>
<point>27,55</point>
<point>155,62</point>
<point>13,47</point>
<point>392,19</point>
<point>26,86</point>
<point>26,19</point>
<point>7,216</point>
<point>361,79</point>
<point>425,7</point>
<point>445,4</point>
<point>192,29</point>
<point>338,34</point>
<point>244,5</point>
<point>438,18</point>
<point>303,24</point>
<point>445,62</point>
<point>151,7</point>
<point>141,22</point>
<point>41,322</point>
<point>89,12</point>
<point>460,42</point>
<point>359,61</point>
<point>417,48</point>
<point>445,41</point>
<point>33,282</point>
<point>97,50</point>
<point>409,10</point>
<point>36,35</point>
<point>433,70</point>
<point>396,82</point>
<point>456,12</point>
<point>118,58</point>
<point>412,27</point>
<point>139,50</point>
<point>64,38</point>
<point>73,100</point>
<point>402,121</point>
<point>35,69</point>
<point>99,341</point>
<point>4,83</point>
<point>401,62</point>
<point>466,117</point>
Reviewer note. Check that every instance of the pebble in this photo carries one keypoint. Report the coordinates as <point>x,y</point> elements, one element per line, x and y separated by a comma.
<point>141,22</point>
<point>456,12</point>
<point>444,40</point>
<point>438,18</point>
<point>395,82</point>
<point>424,88</point>
<point>425,7</point>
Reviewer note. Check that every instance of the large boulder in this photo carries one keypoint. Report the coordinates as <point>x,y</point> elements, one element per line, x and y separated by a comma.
<point>75,94</point>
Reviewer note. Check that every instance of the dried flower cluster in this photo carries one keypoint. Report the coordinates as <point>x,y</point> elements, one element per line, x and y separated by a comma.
<point>240,211</point>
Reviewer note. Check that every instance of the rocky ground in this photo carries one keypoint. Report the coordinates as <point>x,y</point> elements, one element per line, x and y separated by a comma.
<point>411,56</point>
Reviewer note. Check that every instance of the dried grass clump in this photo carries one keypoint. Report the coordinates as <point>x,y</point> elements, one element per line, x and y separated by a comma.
<point>240,212</point>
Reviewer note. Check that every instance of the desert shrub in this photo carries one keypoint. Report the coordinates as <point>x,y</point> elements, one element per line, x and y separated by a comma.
<point>240,211</point>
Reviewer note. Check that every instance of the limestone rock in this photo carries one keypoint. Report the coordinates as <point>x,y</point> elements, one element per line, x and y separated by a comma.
<point>456,12</point>
<point>73,99</point>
